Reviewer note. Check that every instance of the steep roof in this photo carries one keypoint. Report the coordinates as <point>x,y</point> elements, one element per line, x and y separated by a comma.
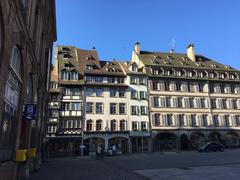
<point>180,60</point>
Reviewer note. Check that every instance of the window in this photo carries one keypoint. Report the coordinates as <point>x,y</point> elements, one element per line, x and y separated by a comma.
<point>227,120</point>
<point>213,103</point>
<point>122,108</point>
<point>142,81</point>
<point>167,85</point>
<point>221,76</point>
<point>134,95</point>
<point>122,92</point>
<point>193,120</point>
<point>122,125</point>
<point>155,85</point>
<point>134,68</point>
<point>189,74</point>
<point>234,103</point>
<point>181,119</point>
<point>232,87</point>
<point>222,88</point>
<point>67,106</point>
<point>211,88</point>
<point>134,126</point>
<point>224,103</point>
<point>143,126</point>
<point>111,79</point>
<point>237,119</point>
<point>156,119</point>
<point>113,92</point>
<point>168,101</point>
<point>89,107</point>
<point>64,75</point>
<point>143,110</point>
<point>216,121</point>
<point>178,73</point>
<point>201,87</point>
<point>89,125</point>
<point>202,103</point>
<point>178,86</point>
<point>99,79</point>
<point>205,120</point>
<point>169,121</point>
<point>99,108</point>
<point>143,95</point>
<point>134,110</point>
<point>89,79</point>
<point>54,113</point>
<point>76,106</point>
<point>98,125</point>
<point>113,108</point>
<point>67,91</point>
<point>120,80</point>
<point>190,87</point>
<point>155,101</point>
<point>99,92</point>
<point>179,102</point>
<point>133,80</point>
<point>89,92</point>
<point>113,125</point>
<point>191,102</point>
<point>73,75</point>
<point>89,67</point>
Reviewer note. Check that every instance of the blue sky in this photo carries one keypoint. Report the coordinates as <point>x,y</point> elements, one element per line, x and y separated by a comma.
<point>113,26</point>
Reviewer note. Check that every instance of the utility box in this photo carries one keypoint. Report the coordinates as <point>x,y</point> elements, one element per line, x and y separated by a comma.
<point>31,152</point>
<point>21,155</point>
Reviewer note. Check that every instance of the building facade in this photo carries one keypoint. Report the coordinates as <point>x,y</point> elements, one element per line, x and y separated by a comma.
<point>27,33</point>
<point>192,99</point>
<point>155,102</point>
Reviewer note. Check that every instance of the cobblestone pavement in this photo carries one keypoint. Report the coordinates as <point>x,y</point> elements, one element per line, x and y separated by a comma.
<point>184,166</point>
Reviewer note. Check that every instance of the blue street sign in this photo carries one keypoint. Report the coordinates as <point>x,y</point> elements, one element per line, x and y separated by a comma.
<point>30,111</point>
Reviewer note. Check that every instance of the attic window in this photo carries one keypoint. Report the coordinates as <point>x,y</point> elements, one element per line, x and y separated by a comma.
<point>199,64</point>
<point>170,57</point>
<point>66,49</point>
<point>89,67</point>
<point>156,61</point>
<point>184,63</point>
<point>111,69</point>
<point>66,56</point>
<point>90,58</point>
<point>167,62</point>
<point>157,57</point>
<point>185,58</point>
<point>213,65</point>
<point>228,67</point>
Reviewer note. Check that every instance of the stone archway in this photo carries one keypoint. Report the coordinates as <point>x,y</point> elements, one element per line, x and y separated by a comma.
<point>121,144</point>
<point>231,139</point>
<point>215,136</point>
<point>91,144</point>
<point>197,139</point>
<point>184,142</point>
<point>166,141</point>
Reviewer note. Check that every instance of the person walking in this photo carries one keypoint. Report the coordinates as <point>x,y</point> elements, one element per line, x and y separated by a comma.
<point>98,152</point>
<point>102,152</point>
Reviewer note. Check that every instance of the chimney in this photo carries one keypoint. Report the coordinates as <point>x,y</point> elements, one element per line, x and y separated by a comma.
<point>191,52</point>
<point>137,48</point>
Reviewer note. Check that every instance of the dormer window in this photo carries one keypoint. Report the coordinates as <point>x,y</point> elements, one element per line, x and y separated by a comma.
<point>213,65</point>
<point>89,67</point>
<point>156,71</point>
<point>134,68</point>
<point>211,75</point>
<point>167,72</point>
<point>170,57</point>
<point>64,75</point>
<point>199,64</point>
<point>156,61</point>
<point>74,75</point>
<point>178,73</point>
<point>157,57</point>
<point>228,67</point>
<point>184,63</point>
<point>111,69</point>
<point>167,62</point>
<point>200,74</point>
<point>184,58</point>
<point>189,73</point>
<point>221,75</point>
<point>231,76</point>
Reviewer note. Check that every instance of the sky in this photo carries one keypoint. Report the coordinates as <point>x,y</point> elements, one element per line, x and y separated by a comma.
<point>113,27</point>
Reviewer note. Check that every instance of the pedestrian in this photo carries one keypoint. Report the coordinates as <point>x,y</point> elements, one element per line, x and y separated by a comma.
<point>102,152</point>
<point>114,149</point>
<point>98,152</point>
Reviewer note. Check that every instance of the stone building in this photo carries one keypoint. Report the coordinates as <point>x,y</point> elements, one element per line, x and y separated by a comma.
<point>27,33</point>
<point>192,99</point>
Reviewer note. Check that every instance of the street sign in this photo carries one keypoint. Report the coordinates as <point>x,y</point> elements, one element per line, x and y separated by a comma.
<point>30,111</point>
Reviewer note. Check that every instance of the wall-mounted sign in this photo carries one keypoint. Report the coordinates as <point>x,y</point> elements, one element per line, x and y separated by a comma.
<point>30,111</point>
